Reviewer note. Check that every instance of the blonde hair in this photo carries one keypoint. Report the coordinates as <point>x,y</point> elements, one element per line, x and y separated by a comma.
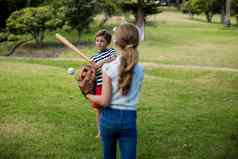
<point>127,39</point>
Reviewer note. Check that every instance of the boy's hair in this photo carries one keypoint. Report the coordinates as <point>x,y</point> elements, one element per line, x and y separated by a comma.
<point>127,39</point>
<point>106,34</point>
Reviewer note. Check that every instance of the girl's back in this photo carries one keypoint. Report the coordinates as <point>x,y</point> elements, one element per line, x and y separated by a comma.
<point>127,102</point>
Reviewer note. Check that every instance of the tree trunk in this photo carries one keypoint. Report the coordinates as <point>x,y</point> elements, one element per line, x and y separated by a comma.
<point>190,15</point>
<point>178,4</point>
<point>209,16</point>
<point>104,20</point>
<point>38,37</point>
<point>223,12</point>
<point>41,38</point>
<point>140,20</point>
<point>168,1</point>
<point>227,21</point>
<point>16,46</point>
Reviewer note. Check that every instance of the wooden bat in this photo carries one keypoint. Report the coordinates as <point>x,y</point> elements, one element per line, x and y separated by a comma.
<point>71,46</point>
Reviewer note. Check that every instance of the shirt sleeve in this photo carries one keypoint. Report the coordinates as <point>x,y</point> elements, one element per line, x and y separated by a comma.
<point>92,58</point>
<point>107,69</point>
<point>114,53</point>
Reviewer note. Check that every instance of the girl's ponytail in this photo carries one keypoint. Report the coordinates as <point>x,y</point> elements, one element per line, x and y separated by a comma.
<point>127,39</point>
<point>128,61</point>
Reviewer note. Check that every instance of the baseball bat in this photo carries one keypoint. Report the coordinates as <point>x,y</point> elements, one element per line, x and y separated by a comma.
<point>71,46</point>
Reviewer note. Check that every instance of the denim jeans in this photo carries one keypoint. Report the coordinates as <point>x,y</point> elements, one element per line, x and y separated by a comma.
<point>118,126</point>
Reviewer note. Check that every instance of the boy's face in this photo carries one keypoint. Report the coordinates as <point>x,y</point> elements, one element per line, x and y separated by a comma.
<point>101,43</point>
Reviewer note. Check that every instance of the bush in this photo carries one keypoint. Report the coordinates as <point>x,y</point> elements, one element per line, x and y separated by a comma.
<point>13,37</point>
<point>30,20</point>
<point>3,36</point>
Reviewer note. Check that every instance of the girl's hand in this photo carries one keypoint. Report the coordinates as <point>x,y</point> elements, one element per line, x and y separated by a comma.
<point>105,98</point>
<point>88,96</point>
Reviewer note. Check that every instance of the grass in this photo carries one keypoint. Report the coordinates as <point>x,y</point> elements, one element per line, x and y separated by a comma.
<point>40,119</point>
<point>182,41</point>
<point>184,112</point>
<point>188,113</point>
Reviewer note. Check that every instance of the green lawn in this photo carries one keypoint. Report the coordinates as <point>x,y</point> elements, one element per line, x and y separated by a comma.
<point>184,112</point>
<point>178,40</point>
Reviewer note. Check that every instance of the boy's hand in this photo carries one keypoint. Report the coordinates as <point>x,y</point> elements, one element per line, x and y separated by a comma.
<point>97,65</point>
<point>100,64</point>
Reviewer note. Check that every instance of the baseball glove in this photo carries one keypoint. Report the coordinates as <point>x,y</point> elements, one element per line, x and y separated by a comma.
<point>87,79</point>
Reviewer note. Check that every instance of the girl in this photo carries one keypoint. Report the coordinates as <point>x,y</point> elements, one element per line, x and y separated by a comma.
<point>122,80</point>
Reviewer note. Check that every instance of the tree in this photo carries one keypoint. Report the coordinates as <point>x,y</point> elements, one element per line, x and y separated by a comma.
<point>30,20</point>
<point>77,14</point>
<point>208,7</point>
<point>234,7</point>
<point>107,8</point>
<point>140,9</point>
<point>6,8</point>
<point>9,6</point>
<point>227,21</point>
<point>223,10</point>
<point>178,4</point>
<point>192,7</point>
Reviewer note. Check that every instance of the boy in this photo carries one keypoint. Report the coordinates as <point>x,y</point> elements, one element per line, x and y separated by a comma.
<point>104,55</point>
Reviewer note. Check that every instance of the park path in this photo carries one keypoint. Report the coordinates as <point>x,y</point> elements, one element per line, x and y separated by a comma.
<point>146,64</point>
<point>156,65</point>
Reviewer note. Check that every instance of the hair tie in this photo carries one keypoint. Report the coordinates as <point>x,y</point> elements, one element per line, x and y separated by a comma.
<point>129,46</point>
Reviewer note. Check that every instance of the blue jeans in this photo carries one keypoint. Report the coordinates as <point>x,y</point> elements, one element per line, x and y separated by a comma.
<point>118,126</point>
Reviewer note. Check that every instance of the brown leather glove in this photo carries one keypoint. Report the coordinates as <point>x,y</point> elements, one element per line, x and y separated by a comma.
<point>87,79</point>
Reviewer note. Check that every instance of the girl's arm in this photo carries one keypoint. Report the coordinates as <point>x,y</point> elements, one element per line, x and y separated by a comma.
<point>105,98</point>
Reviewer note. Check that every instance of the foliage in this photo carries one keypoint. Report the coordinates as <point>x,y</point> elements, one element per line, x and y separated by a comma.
<point>107,8</point>
<point>208,7</point>
<point>141,9</point>
<point>149,7</point>
<point>191,7</point>
<point>9,6</point>
<point>58,16</point>
<point>3,36</point>
<point>234,6</point>
<point>30,20</point>
<point>78,14</point>
<point>12,37</point>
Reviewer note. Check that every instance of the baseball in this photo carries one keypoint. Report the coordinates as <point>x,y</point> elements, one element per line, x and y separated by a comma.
<point>71,71</point>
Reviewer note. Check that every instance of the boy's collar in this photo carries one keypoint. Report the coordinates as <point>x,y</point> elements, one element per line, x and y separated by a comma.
<point>103,50</point>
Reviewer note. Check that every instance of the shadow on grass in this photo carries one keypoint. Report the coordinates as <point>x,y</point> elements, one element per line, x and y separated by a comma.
<point>32,45</point>
<point>232,149</point>
<point>48,50</point>
<point>154,23</point>
<point>213,22</point>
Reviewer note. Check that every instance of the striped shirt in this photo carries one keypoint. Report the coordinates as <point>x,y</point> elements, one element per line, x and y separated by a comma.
<point>106,54</point>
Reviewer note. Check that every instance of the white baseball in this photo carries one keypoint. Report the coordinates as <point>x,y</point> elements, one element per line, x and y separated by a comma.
<point>71,71</point>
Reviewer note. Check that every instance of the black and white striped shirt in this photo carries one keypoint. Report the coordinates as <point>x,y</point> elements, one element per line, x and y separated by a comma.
<point>106,54</point>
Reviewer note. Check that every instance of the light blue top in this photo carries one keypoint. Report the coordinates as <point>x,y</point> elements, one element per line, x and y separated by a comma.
<point>119,101</point>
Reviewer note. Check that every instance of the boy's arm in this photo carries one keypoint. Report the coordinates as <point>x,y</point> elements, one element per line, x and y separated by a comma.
<point>100,64</point>
<point>108,60</point>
